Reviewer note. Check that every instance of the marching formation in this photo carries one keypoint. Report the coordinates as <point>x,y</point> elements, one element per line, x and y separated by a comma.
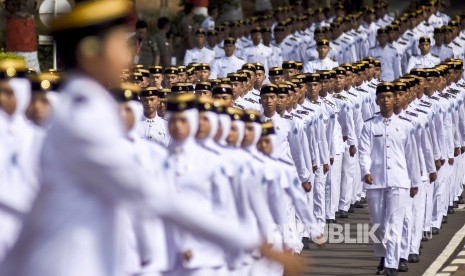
<point>238,160</point>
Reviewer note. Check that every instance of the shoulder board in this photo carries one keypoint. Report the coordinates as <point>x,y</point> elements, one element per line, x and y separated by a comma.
<point>361,89</point>
<point>420,110</point>
<point>256,94</point>
<point>434,98</point>
<point>453,91</point>
<point>374,47</point>
<point>461,85</point>
<point>345,40</point>
<point>410,34</point>
<point>293,38</point>
<point>426,103</point>
<point>311,59</point>
<point>372,85</point>
<point>434,55</point>
<point>239,106</point>
<point>333,59</point>
<point>350,93</point>
<point>209,149</point>
<point>288,44</point>
<point>403,43</point>
<point>377,113</point>
<point>302,112</point>
<point>390,46</point>
<point>250,100</point>
<point>286,117</point>
<point>316,102</point>
<point>295,115</point>
<point>339,96</point>
<point>448,46</point>
<point>403,118</point>
<point>329,103</point>
<point>307,108</point>
<point>426,24</point>
<point>411,113</point>
<point>335,43</point>
<point>445,96</point>
<point>451,95</point>
<point>456,43</point>
<point>370,119</point>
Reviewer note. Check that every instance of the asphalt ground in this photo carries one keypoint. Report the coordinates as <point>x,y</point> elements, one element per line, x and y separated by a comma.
<point>358,259</point>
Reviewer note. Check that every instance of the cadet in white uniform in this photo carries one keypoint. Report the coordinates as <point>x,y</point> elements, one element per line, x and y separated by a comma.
<point>94,144</point>
<point>151,126</point>
<point>425,59</point>
<point>220,67</point>
<point>390,66</point>
<point>17,181</point>
<point>258,52</point>
<point>390,175</point>
<point>324,62</point>
<point>200,53</point>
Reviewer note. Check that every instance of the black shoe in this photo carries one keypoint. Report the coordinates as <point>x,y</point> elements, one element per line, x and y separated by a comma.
<point>455,204</point>
<point>351,209</point>
<point>363,200</point>
<point>391,271</point>
<point>444,219</point>
<point>435,231</point>
<point>450,210</point>
<point>306,242</point>
<point>358,205</point>
<point>380,268</point>
<point>461,201</point>
<point>343,214</point>
<point>403,267</point>
<point>413,258</point>
<point>426,236</point>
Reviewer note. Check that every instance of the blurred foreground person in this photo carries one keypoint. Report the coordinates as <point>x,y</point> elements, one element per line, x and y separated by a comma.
<point>88,181</point>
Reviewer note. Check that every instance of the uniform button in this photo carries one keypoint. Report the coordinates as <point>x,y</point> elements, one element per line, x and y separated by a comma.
<point>388,168</point>
<point>387,146</point>
<point>387,135</point>
<point>388,157</point>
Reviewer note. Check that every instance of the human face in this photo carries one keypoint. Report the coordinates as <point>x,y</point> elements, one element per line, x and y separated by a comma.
<point>266,38</point>
<point>114,56</point>
<point>276,79</point>
<point>279,36</point>
<point>149,104</point>
<point>156,80</point>
<point>233,135</point>
<point>269,102</point>
<point>211,40</point>
<point>260,78</point>
<point>313,89</point>
<point>204,75</point>
<point>424,47</point>
<point>400,98</point>
<point>171,79</point>
<point>325,85</point>
<point>323,51</point>
<point>225,99</point>
<point>127,115</point>
<point>200,41</point>
<point>340,82</point>
<point>386,102</point>
<point>161,111</point>
<point>190,78</point>
<point>141,33</point>
<point>265,145</point>
<point>237,87</point>
<point>182,76</point>
<point>382,39</point>
<point>256,38</point>
<point>178,127</point>
<point>39,109</point>
<point>7,98</point>
<point>204,93</point>
<point>289,73</point>
<point>204,126</point>
<point>249,135</point>
<point>229,49</point>
<point>283,102</point>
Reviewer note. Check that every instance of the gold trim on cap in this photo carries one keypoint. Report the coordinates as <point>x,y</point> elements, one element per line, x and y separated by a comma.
<point>91,13</point>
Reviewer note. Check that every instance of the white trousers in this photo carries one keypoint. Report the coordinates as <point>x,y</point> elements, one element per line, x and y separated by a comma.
<point>208,271</point>
<point>333,187</point>
<point>347,180</point>
<point>319,198</point>
<point>418,217</point>
<point>387,210</point>
<point>407,229</point>
<point>358,184</point>
<point>429,204</point>
<point>440,203</point>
